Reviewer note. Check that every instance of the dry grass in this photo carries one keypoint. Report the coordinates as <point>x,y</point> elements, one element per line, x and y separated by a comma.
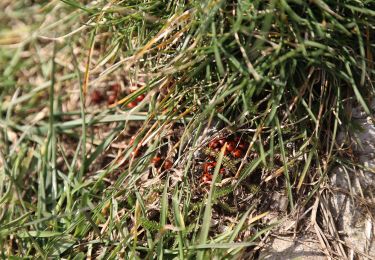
<point>76,178</point>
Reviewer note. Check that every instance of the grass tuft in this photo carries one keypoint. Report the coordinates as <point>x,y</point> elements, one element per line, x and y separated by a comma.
<point>78,174</point>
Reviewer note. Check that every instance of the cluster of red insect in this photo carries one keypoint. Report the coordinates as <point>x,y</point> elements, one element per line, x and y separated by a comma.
<point>235,149</point>
<point>113,94</point>
<point>158,162</point>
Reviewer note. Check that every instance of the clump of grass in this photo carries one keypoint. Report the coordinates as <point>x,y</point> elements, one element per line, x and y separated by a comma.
<point>281,72</point>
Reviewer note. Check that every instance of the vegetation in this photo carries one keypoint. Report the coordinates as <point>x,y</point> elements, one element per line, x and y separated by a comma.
<point>109,109</point>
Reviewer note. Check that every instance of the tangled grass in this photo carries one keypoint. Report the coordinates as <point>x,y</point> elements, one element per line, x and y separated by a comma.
<point>283,74</point>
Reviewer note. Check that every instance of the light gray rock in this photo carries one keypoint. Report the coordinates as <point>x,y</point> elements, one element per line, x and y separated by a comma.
<point>283,249</point>
<point>355,189</point>
<point>353,221</point>
<point>351,203</point>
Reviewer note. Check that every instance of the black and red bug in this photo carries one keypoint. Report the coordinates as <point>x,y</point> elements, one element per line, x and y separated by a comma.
<point>206,178</point>
<point>237,153</point>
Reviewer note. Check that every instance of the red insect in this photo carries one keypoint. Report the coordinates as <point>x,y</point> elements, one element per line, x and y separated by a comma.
<point>214,144</point>
<point>167,164</point>
<point>236,153</point>
<point>140,98</point>
<point>223,171</point>
<point>209,167</point>
<point>156,161</point>
<point>111,99</point>
<point>231,146</point>
<point>96,96</point>
<point>206,178</point>
<point>132,104</point>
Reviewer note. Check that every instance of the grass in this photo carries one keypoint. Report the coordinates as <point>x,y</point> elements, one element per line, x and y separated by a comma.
<point>280,74</point>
